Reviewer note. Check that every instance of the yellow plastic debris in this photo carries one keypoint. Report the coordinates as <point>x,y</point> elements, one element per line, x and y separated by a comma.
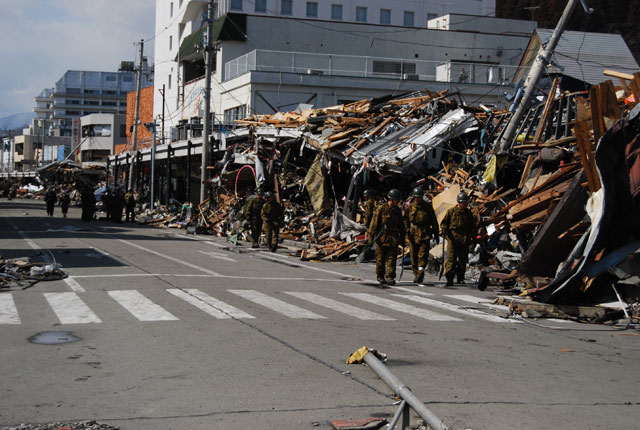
<point>358,356</point>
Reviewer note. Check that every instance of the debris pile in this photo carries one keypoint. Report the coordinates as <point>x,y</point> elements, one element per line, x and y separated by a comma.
<point>76,425</point>
<point>23,273</point>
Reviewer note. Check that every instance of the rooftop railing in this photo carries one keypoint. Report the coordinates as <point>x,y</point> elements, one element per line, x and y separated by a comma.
<point>368,67</point>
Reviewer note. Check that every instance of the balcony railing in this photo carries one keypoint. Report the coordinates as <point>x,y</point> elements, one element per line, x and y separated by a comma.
<point>368,67</point>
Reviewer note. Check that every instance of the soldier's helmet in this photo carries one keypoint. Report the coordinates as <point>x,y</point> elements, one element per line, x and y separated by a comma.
<point>394,195</point>
<point>369,193</point>
<point>463,197</point>
<point>268,194</point>
<point>417,192</point>
<point>259,191</point>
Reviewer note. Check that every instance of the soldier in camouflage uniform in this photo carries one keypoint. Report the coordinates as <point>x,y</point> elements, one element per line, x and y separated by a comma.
<point>421,225</point>
<point>459,227</point>
<point>370,204</point>
<point>387,221</point>
<point>253,215</point>
<point>272,219</point>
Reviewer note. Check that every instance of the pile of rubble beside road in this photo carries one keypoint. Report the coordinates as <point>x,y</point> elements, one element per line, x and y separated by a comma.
<point>556,209</point>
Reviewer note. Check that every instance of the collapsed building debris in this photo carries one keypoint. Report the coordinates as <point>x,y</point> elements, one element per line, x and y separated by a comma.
<point>24,273</point>
<point>571,151</point>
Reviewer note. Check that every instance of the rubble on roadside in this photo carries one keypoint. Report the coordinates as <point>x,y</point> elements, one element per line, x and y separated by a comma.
<point>557,209</point>
<point>24,273</point>
<point>75,425</point>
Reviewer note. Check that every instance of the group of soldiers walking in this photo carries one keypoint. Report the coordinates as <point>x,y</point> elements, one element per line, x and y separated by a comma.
<point>389,228</point>
<point>264,213</point>
<point>115,201</point>
<point>51,198</point>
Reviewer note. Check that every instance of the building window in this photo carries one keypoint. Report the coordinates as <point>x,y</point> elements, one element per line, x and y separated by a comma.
<point>312,9</point>
<point>169,82</point>
<point>409,18</point>
<point>232,114</point>
<point>96,130</point>
<point>73,102</point>
<point>286,7</point>
<point>431,16</point>
<point>171,9</point>
<point>127,79</point>
<point>361,14</point>
<point>170,43</point>
<point>261,6</point>
<point>92,102</point>
<point>236,5</point>
<point>72,112</point>
<point>111,78</point>
<point>336,12</point>
<point>109,103</point>
<point>385,16</point>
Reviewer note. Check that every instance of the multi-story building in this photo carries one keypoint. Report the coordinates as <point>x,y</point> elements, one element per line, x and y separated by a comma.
<point>408,13</point>
<point>270,60</point>
<point>79,93</point>
<point>100,134</point>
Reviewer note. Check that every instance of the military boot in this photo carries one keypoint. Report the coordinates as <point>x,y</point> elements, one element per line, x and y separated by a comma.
<point>449,279</point>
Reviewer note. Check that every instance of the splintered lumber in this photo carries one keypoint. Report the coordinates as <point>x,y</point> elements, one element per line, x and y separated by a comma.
<point>373,132</point>
<point>616,74</point>
<point>586,156</point>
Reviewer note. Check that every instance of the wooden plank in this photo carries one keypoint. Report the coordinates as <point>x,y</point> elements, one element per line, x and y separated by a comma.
<point>616,74</point>
<point>586,156</point>
<point>596,116</point>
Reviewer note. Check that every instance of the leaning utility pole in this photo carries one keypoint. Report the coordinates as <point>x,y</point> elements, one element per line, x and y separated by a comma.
<point>535,73</point>
<point>136,118</point>
<point>208,55</point>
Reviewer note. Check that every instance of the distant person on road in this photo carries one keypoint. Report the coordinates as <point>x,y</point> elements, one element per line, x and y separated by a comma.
<point>387,229</point>
<point>458,227</point>
<point>272,219</point>
<point>130,202</point>
<point>370,205</point>
<point>50,198</point>
<point>88,204</point>
<point>253,215</point>
<point>421,225</point>
<point>117,206</point>
<point>65,201</point>
<point>107,203</point>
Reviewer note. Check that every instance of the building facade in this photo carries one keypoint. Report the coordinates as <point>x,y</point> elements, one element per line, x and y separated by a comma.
<point>100,134</point>
<point>79,93</point>
<point>408,13</point>
<point>269,62</point>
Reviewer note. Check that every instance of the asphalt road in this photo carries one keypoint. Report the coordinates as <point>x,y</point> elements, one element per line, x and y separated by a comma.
<point>177,332</point>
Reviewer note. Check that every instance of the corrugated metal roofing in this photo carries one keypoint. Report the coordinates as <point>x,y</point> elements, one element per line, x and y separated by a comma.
<point>585,56</point>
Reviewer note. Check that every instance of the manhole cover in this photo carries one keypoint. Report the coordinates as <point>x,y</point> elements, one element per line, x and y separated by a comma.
<point>53,338</point>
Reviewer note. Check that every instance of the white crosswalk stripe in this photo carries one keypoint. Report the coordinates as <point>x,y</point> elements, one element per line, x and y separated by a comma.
<point>8,310</point>
<point>70,308</point>
<point>141,307</point>
<point>401,307</point>
<point>287,309</point>
<point>453,308</point>
<point>340,307</point>
<point>208,304</point>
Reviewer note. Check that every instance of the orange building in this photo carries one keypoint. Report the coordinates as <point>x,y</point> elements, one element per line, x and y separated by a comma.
<point>146,115</point>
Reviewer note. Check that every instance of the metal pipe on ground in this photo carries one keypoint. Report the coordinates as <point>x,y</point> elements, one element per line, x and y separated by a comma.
<point>402,390</point>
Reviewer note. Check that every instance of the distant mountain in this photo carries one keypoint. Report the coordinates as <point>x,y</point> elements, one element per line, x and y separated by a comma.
<point>16,121</point>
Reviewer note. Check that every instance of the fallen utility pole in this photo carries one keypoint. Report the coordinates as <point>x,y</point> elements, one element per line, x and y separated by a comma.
<point>539,65</point>
<point>400,388</point>
<point>208,55</point>
<point>136,118</point>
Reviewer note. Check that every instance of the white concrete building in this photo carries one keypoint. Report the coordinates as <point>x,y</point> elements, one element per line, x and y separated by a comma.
<point>409,13</point>
<point>268,61</point>
<point>100,133</point>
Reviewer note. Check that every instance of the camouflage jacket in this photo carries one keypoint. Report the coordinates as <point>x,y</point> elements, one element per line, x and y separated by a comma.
<point>272,213</point>
<point>390,220</point>
<point>460,225</point>
<point>369,208</point>
<point>253,211</point>
<point>420,221</point>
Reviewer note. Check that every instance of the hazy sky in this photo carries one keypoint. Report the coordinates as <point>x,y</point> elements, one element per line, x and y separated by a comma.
<point>41,39</point>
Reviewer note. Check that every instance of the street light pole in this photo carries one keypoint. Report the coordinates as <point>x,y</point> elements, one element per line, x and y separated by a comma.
<point>152,126</point>
<point>208,53</point>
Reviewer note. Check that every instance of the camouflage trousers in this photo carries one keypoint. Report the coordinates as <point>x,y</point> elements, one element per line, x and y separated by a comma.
<point>457,258</point>
<point>256,230</point>
<point>419,256</point>
<point>386,261</point>
<point>271,232</point>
